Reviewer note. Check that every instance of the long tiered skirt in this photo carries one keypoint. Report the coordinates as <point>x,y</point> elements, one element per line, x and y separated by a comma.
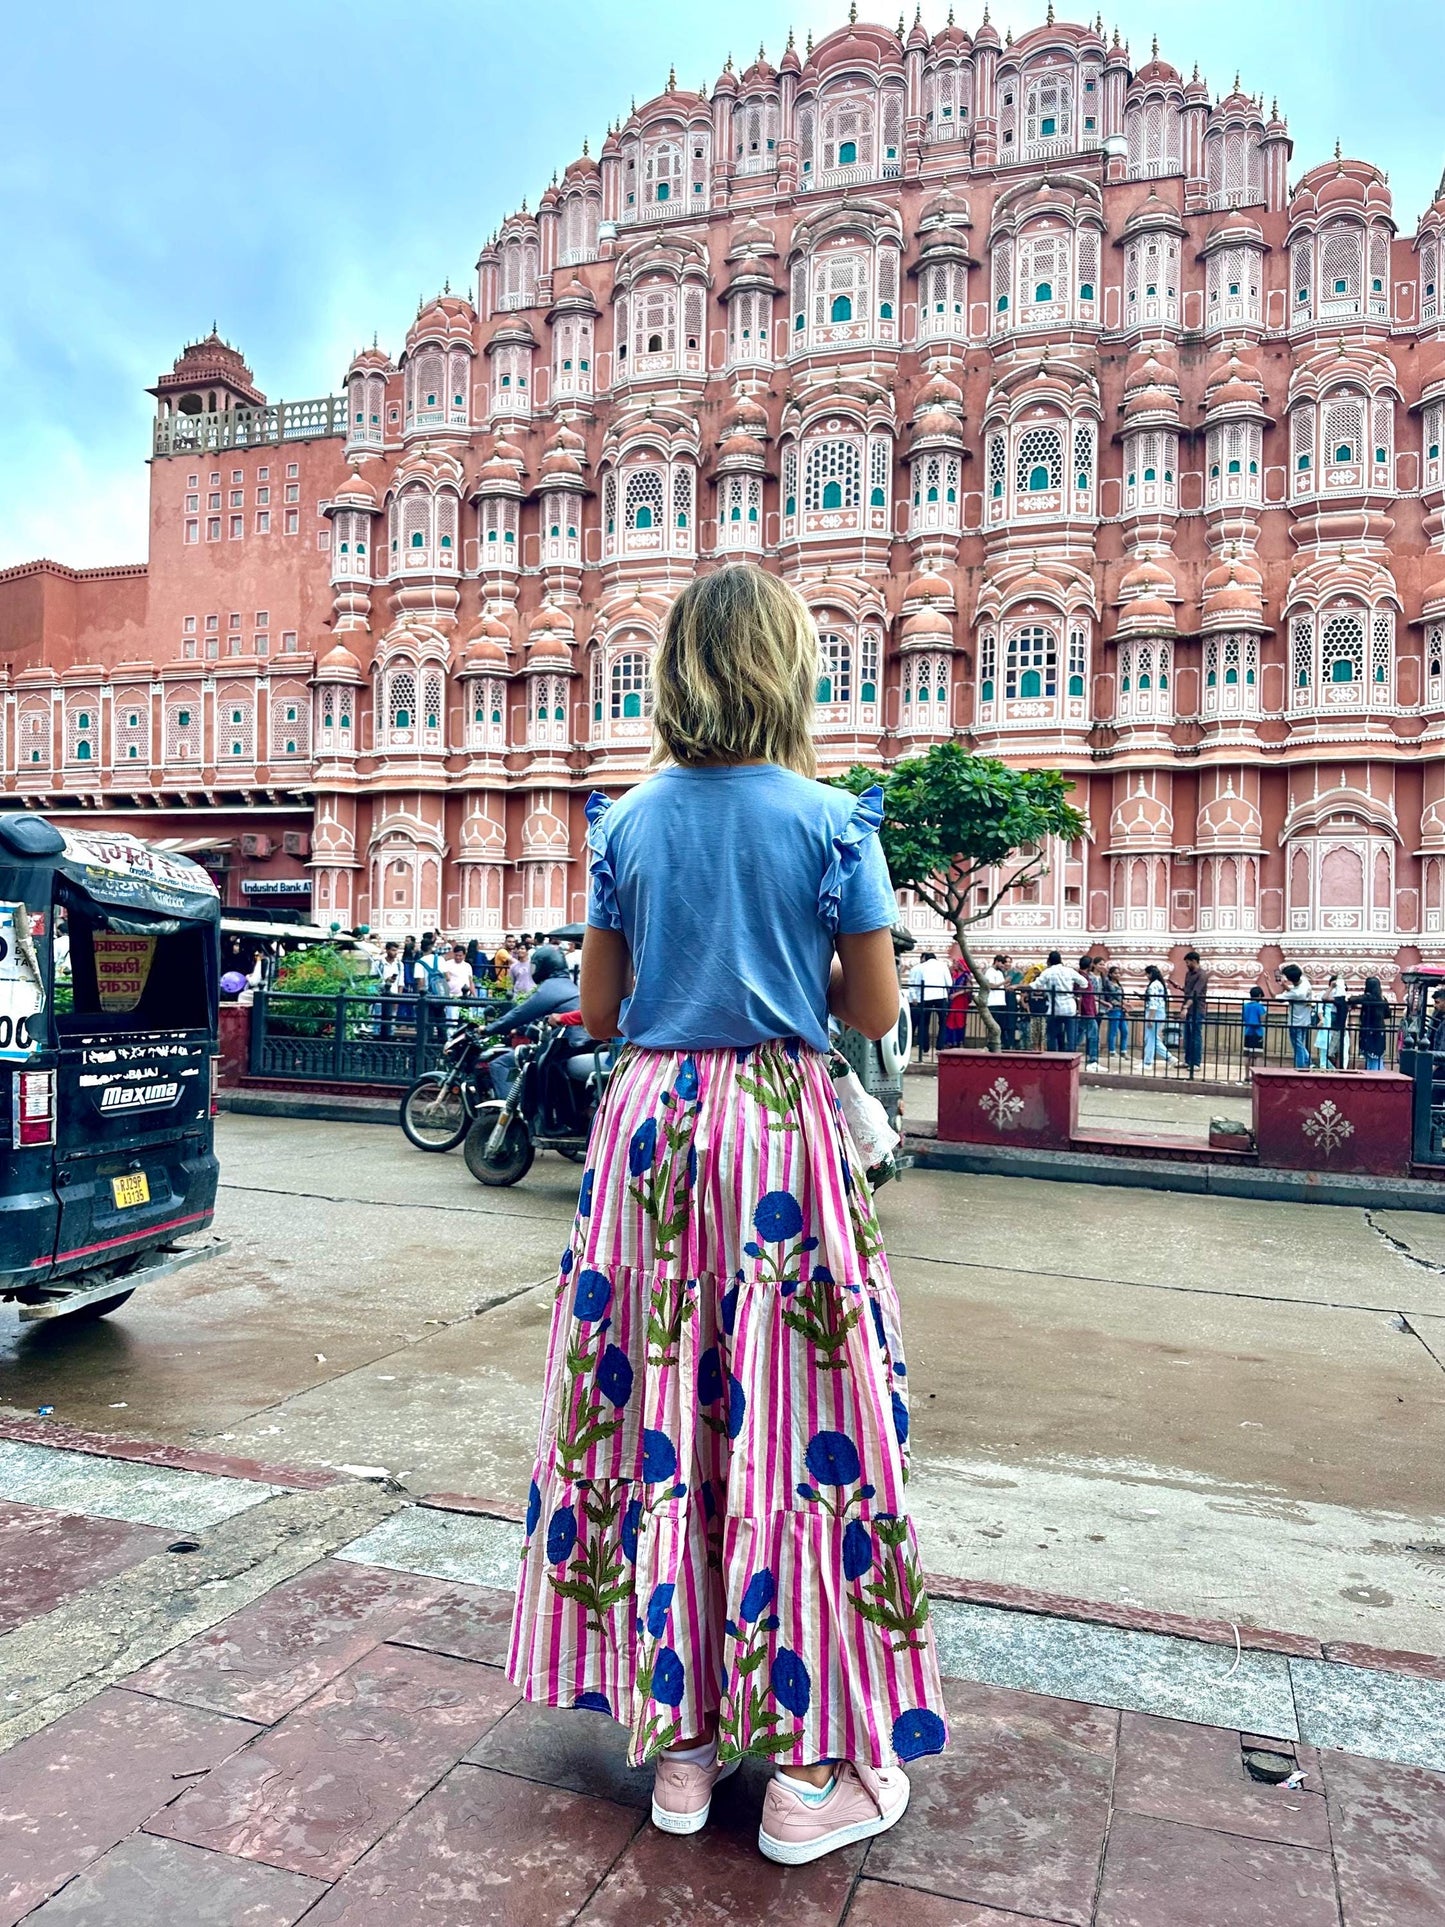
<point>716,1525</point>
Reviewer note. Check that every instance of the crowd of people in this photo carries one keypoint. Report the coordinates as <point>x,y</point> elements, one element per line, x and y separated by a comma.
<point>1088,1007</point>
<point>437,966</point>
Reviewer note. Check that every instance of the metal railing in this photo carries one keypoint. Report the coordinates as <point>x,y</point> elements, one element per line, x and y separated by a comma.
<point>1215,1048</point>
<point>343,1038</point>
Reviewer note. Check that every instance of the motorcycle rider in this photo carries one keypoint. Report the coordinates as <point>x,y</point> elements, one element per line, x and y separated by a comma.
<point>555,991</point>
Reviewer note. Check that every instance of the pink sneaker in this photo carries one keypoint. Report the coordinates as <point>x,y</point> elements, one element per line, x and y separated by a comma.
<point>863,1801</point>
<point>682,1793</point>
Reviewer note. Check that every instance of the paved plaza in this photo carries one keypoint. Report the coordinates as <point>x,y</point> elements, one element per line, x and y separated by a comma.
<point>1175,1478</point>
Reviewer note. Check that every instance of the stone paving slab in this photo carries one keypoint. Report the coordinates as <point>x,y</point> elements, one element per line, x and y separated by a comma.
<point>47,1557</point>
<point>1387,1824</point>
<point>1381,1715</point>
<point>1156,1871</point>
<point>146,1495</point>
<point>445,1545</point>
<point>160,1881</point>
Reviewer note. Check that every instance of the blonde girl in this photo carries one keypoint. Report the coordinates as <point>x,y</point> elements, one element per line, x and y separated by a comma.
<point>718,1553</point>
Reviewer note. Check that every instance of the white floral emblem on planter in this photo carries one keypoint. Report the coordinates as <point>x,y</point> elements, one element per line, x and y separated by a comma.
<point>1002,1104</point>
<point>1327,1127</point>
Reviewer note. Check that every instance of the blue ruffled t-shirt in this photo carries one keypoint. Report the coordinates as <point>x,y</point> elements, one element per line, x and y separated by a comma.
<point>729,885</point>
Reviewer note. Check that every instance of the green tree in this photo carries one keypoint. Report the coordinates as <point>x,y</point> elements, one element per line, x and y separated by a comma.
<point>961,831</point>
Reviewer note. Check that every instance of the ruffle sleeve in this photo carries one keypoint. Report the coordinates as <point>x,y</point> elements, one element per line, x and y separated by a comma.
<point>848,847</point>
<point>602,910</point>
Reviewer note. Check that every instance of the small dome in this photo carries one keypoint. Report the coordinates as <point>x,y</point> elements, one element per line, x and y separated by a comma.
<point>338,663</point>
<point>934,423</point>
<point>1149,614</point>
<point>357,493</point>
<point>550,635</point>
<point>928,588</point>
<point>939,392</point>
<point>741,448</point>
<point>1147,578</point>
<point>927,625</point>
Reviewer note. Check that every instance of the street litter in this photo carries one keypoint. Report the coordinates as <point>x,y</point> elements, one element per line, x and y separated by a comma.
<point>44,1411</point>
<point>119,1405</point>
<point>321,1358</point>
<point>1295,1782</point>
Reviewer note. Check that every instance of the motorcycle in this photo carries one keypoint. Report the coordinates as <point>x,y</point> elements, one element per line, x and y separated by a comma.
<point>438,1110</point>
<point>551,1107</point>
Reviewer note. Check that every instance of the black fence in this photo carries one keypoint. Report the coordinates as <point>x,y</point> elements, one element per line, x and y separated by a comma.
<point>351,1039</point>
<point>1214,1046</point>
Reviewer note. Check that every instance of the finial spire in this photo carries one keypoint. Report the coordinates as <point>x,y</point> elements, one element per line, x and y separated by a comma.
<point>853,14</point>
<point>902,26</point>
<point>1236,80</point>
<point>791,48</point>
<point>1339,152</point>
<point>1116,38</point>
<point>808,48</point>
<point>728,63</point>
<point>373,337</point>
<point>672,80</point>
<point>447,285</point>
<point>585,149</point>
<point>1049,14</point>
<point>1154,48</point>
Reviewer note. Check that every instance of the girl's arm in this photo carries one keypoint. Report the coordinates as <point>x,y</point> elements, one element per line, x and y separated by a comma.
<point>605,979</point>
<point>863,984</point>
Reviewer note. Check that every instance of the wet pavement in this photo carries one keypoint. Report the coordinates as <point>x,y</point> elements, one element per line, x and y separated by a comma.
<point>332,1739</point>
<point>1198,1406</point>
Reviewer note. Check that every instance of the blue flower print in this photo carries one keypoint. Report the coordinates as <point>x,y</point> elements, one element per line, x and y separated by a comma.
<point>758,1595</point>
<point>917,1732</point>
<point>821,1273</point>
<point>791,1686</point>
<point>857,1550</point>
<point>685,1083</point>
<point>709,1377</point>
<point>567,1262</point>
<point>592,1703</point>
<point>900,1418</point>
<point>729,1307</point>
<point>659,1457</point>
<point>614,1376</point>
<point>668,1678</point>
<point>793,1049</point>
<point>737,1408</point>
<point>689,1170</point>
<point>878,1331</point>
<point>631,1521</point>
<point>833,1458</point>
<point>643,1147</point>
<point>778,1217</point>
<point>584,1196</point>
<point>592,1296</point>
<point>534,1509</point>
<point>657,1609</point>
<point>561,1534</point>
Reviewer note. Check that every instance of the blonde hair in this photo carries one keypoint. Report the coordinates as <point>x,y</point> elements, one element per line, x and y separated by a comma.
<point>735,675</point>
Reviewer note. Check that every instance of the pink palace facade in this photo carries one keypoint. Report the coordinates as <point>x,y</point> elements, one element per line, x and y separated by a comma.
<point>1091,438</point>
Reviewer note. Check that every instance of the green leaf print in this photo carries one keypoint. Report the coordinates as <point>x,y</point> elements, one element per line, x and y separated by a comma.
<point>890,1594</point>
<point>813,1311</point>
<point>778,1087</point>
<point>595,1577</point>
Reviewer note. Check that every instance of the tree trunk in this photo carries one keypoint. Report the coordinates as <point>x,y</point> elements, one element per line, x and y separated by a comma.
<point>993,1036</point>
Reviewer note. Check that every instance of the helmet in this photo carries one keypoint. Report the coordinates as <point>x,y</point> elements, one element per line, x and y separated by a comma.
<point>548,961</point>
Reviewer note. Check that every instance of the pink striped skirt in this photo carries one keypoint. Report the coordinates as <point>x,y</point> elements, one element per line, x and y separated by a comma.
<point>716,1526</point>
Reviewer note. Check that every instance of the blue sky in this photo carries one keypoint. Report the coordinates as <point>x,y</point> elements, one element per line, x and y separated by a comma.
<point>304,172</point>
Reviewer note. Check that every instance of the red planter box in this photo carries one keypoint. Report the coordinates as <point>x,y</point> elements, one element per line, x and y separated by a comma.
<point>1023,1097</point>
<point>1334,1121</point>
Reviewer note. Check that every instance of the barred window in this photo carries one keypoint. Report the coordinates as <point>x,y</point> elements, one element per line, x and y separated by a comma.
<point>870,651</point>
<point>1302,657</point>
<point>1342,649</point>
<point>997,466</point>
<point>643,500</point>
<point>400,700</point>
<point>987,665</point>
<point>878,467</point>
<point>1078,660</point>
<point>835,683</point>
<point>790,479</point>
<point>631,689</point>
<point>682,497</point>
<point>1084,455</point>
<point>1344,431</point>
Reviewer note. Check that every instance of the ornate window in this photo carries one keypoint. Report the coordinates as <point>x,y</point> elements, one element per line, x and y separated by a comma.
<point>1341,273</point>
<point>572,355</point>
<point>750,327</point>
<point>487,713</point>
<point>82,732</point>
<point>755,136</point>
<point>997,477</point>
<point>1151,280</point>
<point>1232,287</point>
<point>943,300</point>
<point>580,215</point>
<point>1152,134</point>
<point>561,527</point>
<point>1234,166</point>
<point>366,399</point>
<point>630,707</point>
<point>1432,435</point>
<point>1430,279</point>
<point>290,735</point>
<point>947,97</point>
<point>1039,468</point>
<point>131,727</point>
<point>182,730</point>
<point>1435,665</point>
<point>849,674</point>
<point>400,707</point>
<point>1151,465</point>
<point>1048,114</point>
<point>1232,459</point>
<point>499,533</point>
<point>547,712</point>
<point>517,273</point>
<point>1231,676</point>
<point>936,485</point>
<point>1031,665</point>
<point>335,710</point>
<point>662,178</point>
<point>842,296</point>
<point>833,475</point>
<point>1344,658</point>
<point>1144,692</point>
<point>790,488</point>
<point>1001,257</point>
<point>924,708</point>
<point>848,126</point>
<point>643,512</point>
<point>657,511</point>
<point>511,379</point>
<point>740,512</point>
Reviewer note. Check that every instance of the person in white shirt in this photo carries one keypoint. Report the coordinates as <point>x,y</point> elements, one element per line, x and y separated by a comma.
<point>929,984</point>
<point>458,972</point>
<point>1061,983</point>
<point>1295,991</point>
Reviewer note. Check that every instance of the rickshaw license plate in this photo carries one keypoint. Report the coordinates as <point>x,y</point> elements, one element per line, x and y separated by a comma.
<point>133,1188</point>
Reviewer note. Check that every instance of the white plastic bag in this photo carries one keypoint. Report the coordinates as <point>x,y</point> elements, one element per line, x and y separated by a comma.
<point>867,1121</point>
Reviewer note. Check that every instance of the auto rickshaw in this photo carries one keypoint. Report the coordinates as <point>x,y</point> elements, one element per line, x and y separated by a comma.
<point>108,1040</point>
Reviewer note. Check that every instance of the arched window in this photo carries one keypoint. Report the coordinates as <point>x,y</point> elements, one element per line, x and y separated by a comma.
<point>833,474</point>
<point>401,693</point>
<point>835,679</point>
<point>842,309</point>
<point>1040,464</point>
<point>643,500</point>
<point>631,688</point>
